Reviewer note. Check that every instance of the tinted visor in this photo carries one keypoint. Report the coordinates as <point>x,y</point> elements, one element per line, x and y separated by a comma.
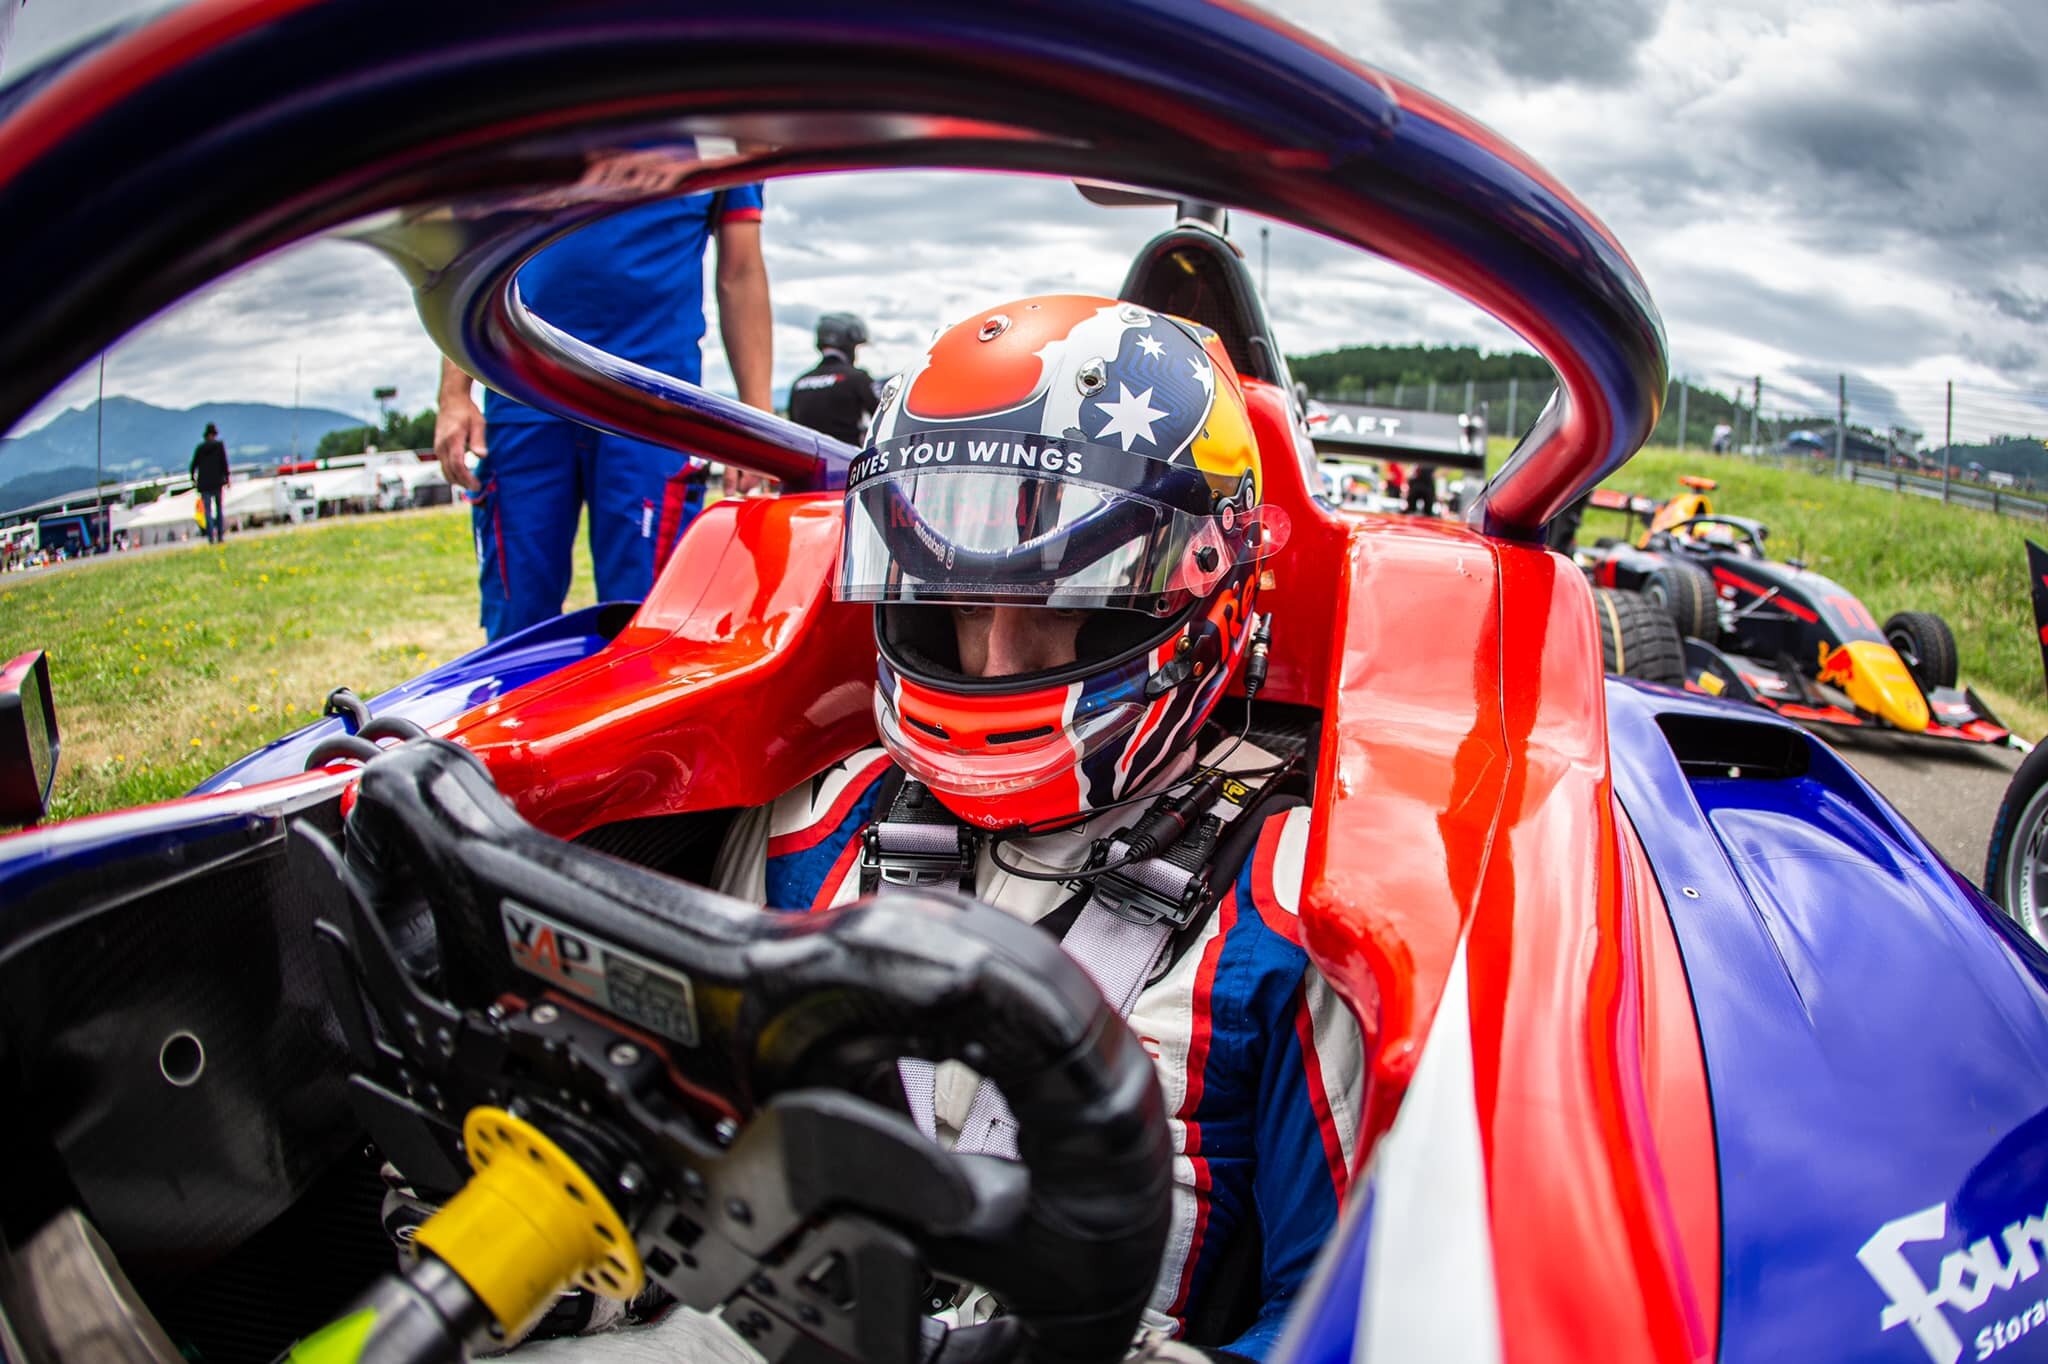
<point>971,516</point>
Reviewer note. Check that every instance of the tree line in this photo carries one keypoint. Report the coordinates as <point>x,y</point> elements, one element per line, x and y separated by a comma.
<point>399,432</point>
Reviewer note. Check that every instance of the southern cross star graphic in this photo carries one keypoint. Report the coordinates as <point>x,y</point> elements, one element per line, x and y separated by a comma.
<point>1202,373</point>
<point>1150,345</point>
<point>1129,416</point>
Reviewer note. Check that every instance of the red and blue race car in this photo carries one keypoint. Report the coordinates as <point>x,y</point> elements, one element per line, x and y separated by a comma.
<point>1681,1044</point>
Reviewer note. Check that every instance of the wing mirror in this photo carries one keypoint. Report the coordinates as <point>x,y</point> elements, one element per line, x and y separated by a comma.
<point>28,739</point>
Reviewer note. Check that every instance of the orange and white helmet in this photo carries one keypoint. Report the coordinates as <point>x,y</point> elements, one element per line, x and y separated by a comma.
<point>1064,452</point>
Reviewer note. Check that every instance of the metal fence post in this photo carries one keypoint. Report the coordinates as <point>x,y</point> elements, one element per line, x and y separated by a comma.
<point>1468,395</point>
<point>1682,387</point>
<point>1948,437</point>
<point>1398,386</point>
<point>1841,418</point>
<point>1756,412</point>
<point>1432,395</point>
<point>1512,384</point>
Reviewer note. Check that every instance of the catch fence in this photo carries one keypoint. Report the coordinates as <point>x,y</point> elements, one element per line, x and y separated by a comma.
<point>1897,435</point>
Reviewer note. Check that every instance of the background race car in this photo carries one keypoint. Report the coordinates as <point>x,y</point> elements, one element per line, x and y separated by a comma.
<point>1775,633</point>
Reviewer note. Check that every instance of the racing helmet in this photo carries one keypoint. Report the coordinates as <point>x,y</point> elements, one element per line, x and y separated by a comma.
<point>1061,453</point>
<point>841,332</point>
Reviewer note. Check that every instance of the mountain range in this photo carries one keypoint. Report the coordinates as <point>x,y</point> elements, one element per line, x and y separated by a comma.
<point>143,439</point>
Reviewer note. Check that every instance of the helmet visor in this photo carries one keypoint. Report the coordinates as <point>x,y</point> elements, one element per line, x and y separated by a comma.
<point>970,516</point>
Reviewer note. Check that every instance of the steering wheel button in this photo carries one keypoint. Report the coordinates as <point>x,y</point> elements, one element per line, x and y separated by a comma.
<point>831,1280</point>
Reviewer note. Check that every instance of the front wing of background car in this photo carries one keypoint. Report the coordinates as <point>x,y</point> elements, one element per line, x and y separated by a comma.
<point>1957,713</point>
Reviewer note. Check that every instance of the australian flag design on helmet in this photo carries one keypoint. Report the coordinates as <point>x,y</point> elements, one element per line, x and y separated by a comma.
<point>1064,366</point>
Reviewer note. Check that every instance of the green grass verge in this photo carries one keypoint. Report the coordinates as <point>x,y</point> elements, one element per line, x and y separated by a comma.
<point>168,665</point>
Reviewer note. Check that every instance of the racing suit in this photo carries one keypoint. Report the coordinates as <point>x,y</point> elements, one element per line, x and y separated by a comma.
<point>834,396</point>
<point>1260,1062</point>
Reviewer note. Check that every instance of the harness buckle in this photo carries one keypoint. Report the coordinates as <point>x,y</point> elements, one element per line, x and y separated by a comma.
<point>897,853</point>
<point>1154,891</point>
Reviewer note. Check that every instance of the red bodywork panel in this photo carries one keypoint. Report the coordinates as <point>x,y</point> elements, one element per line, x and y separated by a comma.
<point>738,678</point>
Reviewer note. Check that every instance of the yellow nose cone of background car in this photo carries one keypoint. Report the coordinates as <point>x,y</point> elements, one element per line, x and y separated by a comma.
<point>1877,680</point>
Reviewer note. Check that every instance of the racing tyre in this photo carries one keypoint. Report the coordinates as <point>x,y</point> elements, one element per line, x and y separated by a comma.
<point>1928,646</point>
<point>1637,639</point>
<point>1687,595</point>
<point>2016,864</point>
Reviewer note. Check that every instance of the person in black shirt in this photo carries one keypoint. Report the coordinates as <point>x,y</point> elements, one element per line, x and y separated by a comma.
<point>209,475</point>
<point>835,396</point>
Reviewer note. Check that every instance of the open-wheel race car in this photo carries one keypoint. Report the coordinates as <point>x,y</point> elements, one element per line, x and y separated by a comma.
<point>1773,632</point>
<point>1678,1043</point>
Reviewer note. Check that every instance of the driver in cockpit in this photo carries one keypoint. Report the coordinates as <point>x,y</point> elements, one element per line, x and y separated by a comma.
<point>1058,520</point>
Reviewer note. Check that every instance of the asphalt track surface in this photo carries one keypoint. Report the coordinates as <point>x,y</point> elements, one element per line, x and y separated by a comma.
<point>1949,791</point>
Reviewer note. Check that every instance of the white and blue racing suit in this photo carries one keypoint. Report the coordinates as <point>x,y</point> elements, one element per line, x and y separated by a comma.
<point>1261,1063</point>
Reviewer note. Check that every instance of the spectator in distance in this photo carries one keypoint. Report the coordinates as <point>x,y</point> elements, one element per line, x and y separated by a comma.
<point>209,470</point>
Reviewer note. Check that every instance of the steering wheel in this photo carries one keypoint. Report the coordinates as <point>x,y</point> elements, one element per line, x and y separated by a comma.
<point>703,1061</point>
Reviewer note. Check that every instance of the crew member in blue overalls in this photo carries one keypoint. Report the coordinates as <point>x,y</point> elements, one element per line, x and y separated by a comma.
<point>632,285</point>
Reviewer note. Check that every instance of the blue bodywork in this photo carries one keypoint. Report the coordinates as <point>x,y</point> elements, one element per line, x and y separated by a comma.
<point>442,693</point>
<point>1875,1034</point>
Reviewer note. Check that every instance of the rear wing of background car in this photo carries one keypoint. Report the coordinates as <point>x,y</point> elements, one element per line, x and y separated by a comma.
<point>1355,431</point>
<point>1632,505</point>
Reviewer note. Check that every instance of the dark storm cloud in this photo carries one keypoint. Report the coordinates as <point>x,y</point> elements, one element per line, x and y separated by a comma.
<point>1845,137</point>
<point>2018,304</point>
<point>1538,42</point>
<point>1837,332</point>
<point>2014,359</point>
<point>1984,47</point>
<point>1925,129</point>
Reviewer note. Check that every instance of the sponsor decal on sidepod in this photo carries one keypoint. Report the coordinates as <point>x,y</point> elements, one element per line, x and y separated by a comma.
<point>1967,1280</point>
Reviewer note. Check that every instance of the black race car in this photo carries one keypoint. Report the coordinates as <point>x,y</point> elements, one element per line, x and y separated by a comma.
<point>1775,633</point>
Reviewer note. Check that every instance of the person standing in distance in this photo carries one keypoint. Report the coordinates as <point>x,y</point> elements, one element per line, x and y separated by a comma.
<point>209,470</point>
<point>633,285</point>
<point>835,396</point>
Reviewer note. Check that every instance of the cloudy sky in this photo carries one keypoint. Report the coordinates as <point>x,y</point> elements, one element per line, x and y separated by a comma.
<point>1811,187</point>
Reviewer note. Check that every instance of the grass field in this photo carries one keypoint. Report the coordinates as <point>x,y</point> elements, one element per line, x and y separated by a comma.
<point>169,665</point>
